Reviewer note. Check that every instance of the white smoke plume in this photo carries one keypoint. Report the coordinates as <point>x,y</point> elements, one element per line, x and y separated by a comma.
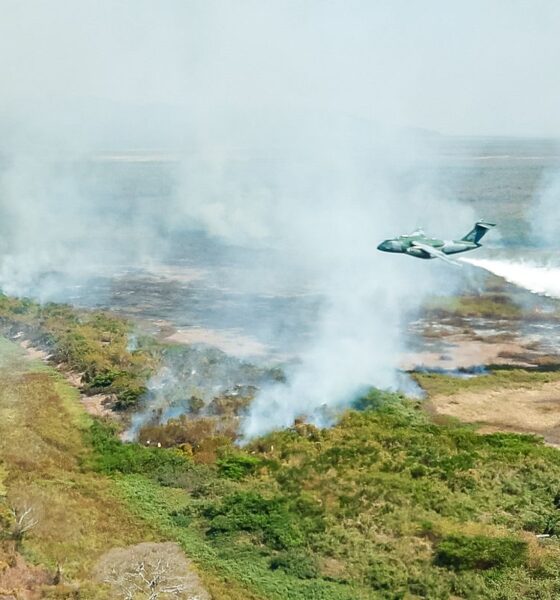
<point>323,202</point>
<point>536,278</point>
<point>282,125</point>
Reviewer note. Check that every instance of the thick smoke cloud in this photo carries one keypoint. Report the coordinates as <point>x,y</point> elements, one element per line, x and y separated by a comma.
<point>324,204</point>
<point>286,126</point>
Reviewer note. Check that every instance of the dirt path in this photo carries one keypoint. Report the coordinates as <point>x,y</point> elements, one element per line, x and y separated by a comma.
<point>534,410</point>
<point>95,405</point>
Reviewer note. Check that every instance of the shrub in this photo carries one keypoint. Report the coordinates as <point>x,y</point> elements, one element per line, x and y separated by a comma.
<point>237,466</point>
<point>542,523</point>
<point>195,404</point>
<point>187,430</point>
<point>389,579</point>
<point>461,552</point>
<point>93,343</point>
<point>297,564</point>
<point>181,517</point>
<point>248,511</point>
<point>111,455</point>
<point>104,379</point>
<point>376,399</point>
<point>129,397</point>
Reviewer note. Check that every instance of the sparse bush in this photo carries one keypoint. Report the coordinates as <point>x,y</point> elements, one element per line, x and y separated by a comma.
<point>129,397</point>
<point>207,437</point>
<point>92,343</point>
<point>24,520</point>
<point>195,404</point>
<point>104,379</point>
<point>228,404</point>
<point>185,430</point>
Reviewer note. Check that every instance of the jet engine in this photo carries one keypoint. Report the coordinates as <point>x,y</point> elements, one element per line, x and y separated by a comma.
<point>417,252</point>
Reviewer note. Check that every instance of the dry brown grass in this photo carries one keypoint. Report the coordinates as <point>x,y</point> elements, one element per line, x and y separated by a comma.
<point>41,448</point>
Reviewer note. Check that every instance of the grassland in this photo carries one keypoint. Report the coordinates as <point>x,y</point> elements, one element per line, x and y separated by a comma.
<point>386,504</point>
<point>496,305</point>
<point>498,300</point>
<point>496,378</point>
<point>41,451</point>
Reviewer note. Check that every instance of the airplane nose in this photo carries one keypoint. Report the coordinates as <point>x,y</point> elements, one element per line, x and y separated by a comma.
<point>383,246</point>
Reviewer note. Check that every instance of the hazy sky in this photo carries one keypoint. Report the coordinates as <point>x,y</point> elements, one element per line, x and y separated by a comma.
<point>468,67</point>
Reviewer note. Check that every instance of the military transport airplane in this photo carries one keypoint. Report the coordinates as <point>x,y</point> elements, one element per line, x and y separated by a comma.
<point>417,244</point>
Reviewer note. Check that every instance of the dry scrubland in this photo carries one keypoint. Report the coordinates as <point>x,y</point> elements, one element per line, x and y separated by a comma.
<point>387,504</point>
<point>41,451</point>
<point>508,397</point>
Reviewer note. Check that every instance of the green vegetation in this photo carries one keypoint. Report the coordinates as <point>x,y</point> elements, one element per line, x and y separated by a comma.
<point>386,504</point>
<point>110,455</point>
<point>297,564</point>
<point>237,465</point>
<point>92,343</point>
<point>498,377</point>
<point>480,552</point>
<point>493,304</point>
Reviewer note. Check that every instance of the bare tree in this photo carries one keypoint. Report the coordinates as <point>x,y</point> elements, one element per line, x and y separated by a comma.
<point>150,571</point>
<point>24,520</point>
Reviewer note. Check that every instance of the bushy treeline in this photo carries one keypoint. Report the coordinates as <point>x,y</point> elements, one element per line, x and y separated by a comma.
<point>94,344</point>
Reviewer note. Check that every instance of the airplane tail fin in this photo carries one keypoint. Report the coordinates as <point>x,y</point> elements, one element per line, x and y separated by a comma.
<point>478,231</point>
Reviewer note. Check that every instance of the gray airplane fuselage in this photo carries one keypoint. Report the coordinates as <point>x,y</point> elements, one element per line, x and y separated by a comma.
<point>404,244</point>
<point>419,245</point>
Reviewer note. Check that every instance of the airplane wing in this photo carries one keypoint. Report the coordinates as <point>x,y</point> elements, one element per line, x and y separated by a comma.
<point>418,231</point>
<point>435,253</point>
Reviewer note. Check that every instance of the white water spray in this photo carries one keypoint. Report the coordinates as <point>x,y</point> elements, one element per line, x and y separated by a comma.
<point>538,279</point>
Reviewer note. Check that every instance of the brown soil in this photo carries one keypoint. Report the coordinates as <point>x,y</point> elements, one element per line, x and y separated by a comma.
<point>522,410</point>
<point>18,579</point>
<point>462,352</point>
<point>534,410</point>
<point>98,405</point>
